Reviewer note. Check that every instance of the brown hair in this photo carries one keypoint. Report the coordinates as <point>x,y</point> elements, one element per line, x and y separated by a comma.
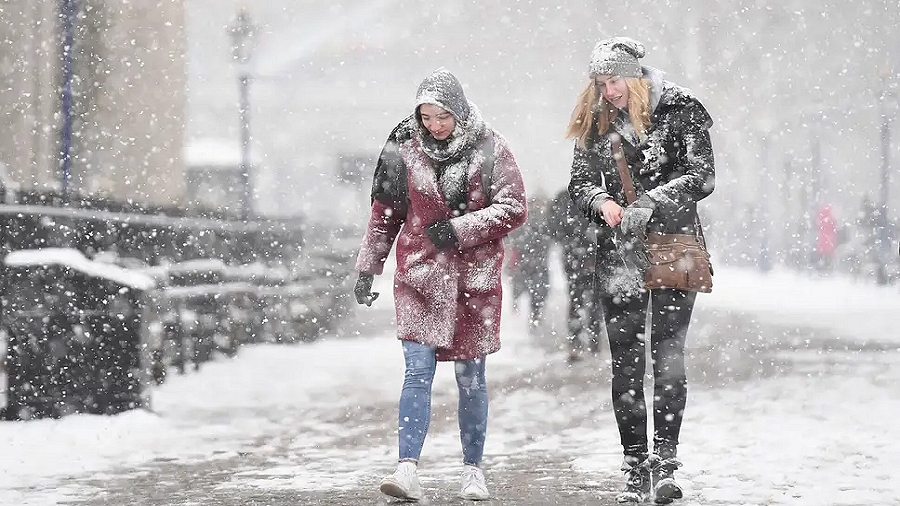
<point>590,102</point>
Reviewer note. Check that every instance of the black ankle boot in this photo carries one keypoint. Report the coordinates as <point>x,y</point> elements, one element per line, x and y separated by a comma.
<point>637,480</point>
<point>665,488</point>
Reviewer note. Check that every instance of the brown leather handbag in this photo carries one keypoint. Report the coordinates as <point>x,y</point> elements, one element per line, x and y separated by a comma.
<point>678,261</point>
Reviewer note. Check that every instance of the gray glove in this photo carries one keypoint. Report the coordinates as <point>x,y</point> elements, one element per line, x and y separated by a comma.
<point>637,252</point>
<point>636,216</point>
<point>363,289</point>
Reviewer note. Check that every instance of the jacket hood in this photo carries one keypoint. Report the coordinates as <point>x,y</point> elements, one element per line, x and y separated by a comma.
<point>444,90</point>
<point>655,76</point>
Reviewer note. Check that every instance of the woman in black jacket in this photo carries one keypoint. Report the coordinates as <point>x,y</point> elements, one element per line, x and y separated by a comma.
<point>664,131</point>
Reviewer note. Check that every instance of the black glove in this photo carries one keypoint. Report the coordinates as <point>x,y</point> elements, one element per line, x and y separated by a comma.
<point>363,289</point>
<point>441,234</point>
<point>636,216</point>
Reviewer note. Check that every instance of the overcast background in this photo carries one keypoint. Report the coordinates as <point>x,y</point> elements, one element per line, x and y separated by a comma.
<point>793,87</point>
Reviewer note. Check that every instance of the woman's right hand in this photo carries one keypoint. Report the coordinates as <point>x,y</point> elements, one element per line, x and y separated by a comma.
<point>611,212</point>
<point>363,289</point>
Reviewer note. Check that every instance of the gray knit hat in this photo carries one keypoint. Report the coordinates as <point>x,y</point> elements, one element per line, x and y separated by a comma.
<point>617,56</point>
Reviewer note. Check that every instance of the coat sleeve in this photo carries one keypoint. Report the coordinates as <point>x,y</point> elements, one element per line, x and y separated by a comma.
<point>586,185</point>
<point>507,210</point>
<point>696,162</point>
<point>389,206</point>
<point>381,232</point>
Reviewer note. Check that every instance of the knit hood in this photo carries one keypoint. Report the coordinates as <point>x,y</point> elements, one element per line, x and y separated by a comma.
<point>444,90</point>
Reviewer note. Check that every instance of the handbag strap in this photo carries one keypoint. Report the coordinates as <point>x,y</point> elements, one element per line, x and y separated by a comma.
<point>624,173</point>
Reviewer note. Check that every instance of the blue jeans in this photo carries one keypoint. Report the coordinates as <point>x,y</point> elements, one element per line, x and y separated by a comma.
<point>415,403</point>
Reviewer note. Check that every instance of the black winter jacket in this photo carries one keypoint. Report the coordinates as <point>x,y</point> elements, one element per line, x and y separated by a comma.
<point>673,165</point>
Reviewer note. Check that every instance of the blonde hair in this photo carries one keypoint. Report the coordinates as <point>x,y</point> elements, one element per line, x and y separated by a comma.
<point>590,102</point>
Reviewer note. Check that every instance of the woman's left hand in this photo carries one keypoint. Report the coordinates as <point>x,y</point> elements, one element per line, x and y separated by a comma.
<point>636,216</point>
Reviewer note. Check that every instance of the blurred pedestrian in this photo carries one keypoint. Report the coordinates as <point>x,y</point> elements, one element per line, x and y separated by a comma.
<point>868,233</point>
<point>529,267</point>
<point>664,131</point>
<point>577,236</point>
<point>826,238</point>
<point>428,195</point>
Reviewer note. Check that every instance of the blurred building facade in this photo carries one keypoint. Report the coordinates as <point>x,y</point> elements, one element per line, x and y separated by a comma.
<point>128,105</point>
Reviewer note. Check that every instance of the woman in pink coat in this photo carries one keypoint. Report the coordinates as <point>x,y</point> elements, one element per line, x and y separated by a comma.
<point>447,189</point>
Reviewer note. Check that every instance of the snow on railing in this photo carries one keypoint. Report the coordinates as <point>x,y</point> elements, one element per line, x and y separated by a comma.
<point>74,259</point>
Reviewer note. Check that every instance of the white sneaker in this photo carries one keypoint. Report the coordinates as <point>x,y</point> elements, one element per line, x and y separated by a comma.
<point>473,486</point>
<point>403,484</point>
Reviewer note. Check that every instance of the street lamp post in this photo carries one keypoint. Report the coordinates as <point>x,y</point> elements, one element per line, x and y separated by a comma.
<point>883,221</point>
<point>242,32</point>
<point>68,12</point>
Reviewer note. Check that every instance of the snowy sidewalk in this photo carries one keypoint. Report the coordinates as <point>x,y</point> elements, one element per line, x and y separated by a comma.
<point>792,401</point>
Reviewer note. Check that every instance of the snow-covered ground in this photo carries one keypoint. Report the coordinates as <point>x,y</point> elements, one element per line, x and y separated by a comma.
<point>813,436</point>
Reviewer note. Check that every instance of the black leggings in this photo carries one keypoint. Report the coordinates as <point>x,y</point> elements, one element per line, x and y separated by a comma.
<point>625,324</point>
